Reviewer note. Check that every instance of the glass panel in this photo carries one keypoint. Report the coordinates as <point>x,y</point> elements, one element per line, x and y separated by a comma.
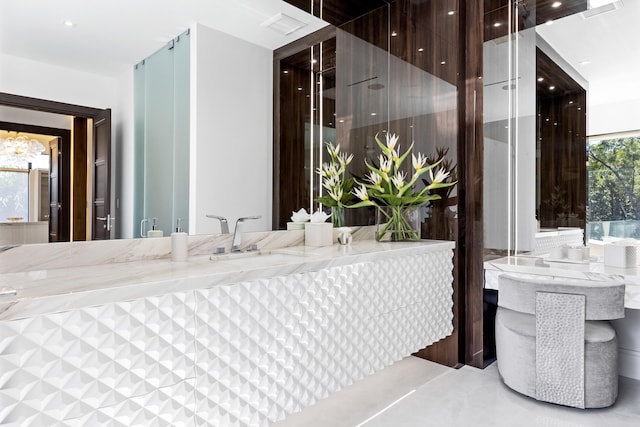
<point>139,102</point>
<point>14,197</point>
<point>378,74</point>
<point>161,132</point>
<point>509,112</point>
<point>158,138</point>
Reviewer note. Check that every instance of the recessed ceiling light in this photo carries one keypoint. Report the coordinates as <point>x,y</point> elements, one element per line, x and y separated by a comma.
<point>420,49</point>
<point>570,102</point>
<point>393,34</point>
<point>497,24</point>
<point>443,62</point>
<point>552,87</point>
<point>556,4</point>
<point>299,88</point>
<point>540,79</point>
<point>286,71</point>
<point>69,24</point>
<point>374,114</point>
<point>341,120</point>
<point>451,12</point>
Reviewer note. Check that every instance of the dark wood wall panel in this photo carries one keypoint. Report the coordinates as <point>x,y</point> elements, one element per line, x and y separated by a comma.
<point>79,178</point>
<point>561,134</point>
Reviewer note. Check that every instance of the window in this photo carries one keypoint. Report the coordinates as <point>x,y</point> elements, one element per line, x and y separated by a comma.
<point>613,169</point>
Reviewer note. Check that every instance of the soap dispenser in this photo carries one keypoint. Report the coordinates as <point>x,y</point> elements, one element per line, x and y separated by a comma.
<point>154,232</point>
<point>179,245</point>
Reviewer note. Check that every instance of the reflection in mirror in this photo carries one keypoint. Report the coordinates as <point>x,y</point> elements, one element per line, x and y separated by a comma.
<point>228,119</point>
<point>553,59</point>
<point>366,76</point>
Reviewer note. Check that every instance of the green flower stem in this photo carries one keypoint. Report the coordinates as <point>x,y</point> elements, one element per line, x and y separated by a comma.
<point>337,215</point>
<point>397,224</point>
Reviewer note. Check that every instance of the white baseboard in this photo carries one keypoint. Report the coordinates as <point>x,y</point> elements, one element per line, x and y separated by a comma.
<point>629,363</point>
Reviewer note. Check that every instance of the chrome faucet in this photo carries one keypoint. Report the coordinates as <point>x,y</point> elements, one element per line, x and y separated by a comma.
<point>224,224</point>
<point>237,236</point>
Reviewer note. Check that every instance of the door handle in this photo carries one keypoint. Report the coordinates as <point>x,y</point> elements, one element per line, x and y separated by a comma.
<point>108,221</point>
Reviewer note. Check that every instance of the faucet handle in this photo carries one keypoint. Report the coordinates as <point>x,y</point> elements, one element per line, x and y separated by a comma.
<point>244,218</point>
<point>237,239</point>
<point>224,224</point>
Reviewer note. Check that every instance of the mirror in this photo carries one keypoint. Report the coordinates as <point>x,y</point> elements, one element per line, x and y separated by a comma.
<point>231,90</point>
<point>517,188</point>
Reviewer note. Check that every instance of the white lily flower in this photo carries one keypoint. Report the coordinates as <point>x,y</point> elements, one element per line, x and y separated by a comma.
<point>394,155</point>
<point>392,140</point>
<point>361,193</point>
<point>336,194</point>
<point>334,151</point>
<point>418,162</point>
<point>344,159</point>
<point>374,178</point>
<point>441,175</point>
<point>331,182</point>
<point>398,179</point>
<point>385,164</point>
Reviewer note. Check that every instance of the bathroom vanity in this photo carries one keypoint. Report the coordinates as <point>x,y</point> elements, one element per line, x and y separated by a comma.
<point>235,340</point>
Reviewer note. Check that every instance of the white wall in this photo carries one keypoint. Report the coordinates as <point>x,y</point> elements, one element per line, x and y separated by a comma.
<point>231,131</point>
<point>613,118</point>
<point>26,77</point>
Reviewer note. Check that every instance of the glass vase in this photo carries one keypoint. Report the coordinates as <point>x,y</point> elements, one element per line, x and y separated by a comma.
<point>398,223</point>
<point>337,216</point>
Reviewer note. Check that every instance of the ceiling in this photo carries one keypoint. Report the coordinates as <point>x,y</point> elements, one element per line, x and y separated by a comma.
<point>609,41</point>
<point>108,37</point>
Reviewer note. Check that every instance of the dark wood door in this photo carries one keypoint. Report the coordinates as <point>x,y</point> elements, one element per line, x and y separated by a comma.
<point>102,218</point>
<point>54,192</point>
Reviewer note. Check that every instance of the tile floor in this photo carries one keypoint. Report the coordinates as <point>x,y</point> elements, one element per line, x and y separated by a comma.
<point>415,392</point>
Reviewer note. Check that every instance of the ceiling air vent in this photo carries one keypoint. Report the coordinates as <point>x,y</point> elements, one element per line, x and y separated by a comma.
<point>600,7</point>
<point>283,23</point>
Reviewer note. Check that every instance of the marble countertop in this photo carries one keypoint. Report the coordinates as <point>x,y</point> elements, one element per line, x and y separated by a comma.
<point>593,270</point>
<point>52,290</point>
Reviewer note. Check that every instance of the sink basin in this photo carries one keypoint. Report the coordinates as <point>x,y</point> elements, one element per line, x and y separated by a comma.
<point>258,259</point>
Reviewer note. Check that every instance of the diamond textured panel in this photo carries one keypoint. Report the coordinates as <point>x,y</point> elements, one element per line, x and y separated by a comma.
<point>268,348</point>
<point>171,406</point>
<point>64,365</point>
<point>560,323</point>
<point>545,243</point>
